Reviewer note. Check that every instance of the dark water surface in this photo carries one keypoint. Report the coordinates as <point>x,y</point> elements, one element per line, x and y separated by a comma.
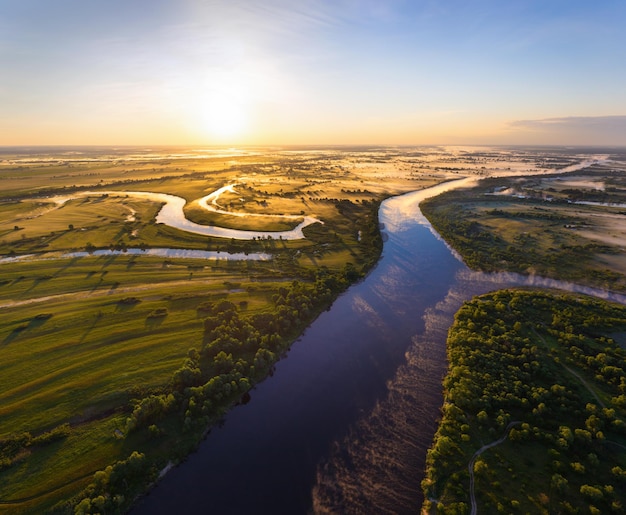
<point>344,423</point>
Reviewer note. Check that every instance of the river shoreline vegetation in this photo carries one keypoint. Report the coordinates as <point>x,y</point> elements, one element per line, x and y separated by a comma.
<point>114,367</point>
<point>550,368</point>
<point>538,225</point>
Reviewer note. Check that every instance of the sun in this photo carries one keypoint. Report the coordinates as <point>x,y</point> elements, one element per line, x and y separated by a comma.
<point>220,104</point>
<point>222,111</point>
<point>223,116</point>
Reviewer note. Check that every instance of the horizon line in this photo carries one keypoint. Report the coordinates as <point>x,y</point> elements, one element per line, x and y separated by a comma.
<point>303,145</point>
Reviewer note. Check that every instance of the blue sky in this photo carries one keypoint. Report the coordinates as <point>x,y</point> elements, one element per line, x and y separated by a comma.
<point>312,72</point>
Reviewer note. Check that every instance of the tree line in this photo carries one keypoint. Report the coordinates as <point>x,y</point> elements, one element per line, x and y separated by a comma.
<point>237,350</point>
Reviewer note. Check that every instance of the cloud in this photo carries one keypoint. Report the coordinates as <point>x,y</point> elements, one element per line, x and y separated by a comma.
<point>615,122</point>
<point>590,130</point>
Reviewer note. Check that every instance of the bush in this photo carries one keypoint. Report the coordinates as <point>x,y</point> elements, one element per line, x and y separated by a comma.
<point>158,313</point>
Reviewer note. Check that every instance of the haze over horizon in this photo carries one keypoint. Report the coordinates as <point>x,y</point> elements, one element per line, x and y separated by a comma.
<point>312,72</point>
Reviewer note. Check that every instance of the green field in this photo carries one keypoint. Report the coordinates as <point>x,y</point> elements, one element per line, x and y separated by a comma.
<point>531,225</point>
<point>535,399</point>
<point>84,340</point>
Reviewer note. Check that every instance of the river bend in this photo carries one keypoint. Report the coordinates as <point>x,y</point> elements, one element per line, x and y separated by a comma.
<point>172,213</point>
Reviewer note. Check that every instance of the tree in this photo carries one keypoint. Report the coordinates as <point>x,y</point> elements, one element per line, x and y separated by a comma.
<point>591,492</point>
<point>559,483</point>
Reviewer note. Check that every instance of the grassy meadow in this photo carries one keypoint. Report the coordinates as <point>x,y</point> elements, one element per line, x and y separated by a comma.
<point>80,339</point>
<point>536,225</point>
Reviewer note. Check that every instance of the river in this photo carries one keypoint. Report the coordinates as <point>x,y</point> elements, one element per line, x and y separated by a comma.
<point>172,213</point>
<point>344,423</point>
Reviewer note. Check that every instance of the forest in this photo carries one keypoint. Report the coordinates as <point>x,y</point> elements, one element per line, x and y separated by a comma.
<point>534,407</point>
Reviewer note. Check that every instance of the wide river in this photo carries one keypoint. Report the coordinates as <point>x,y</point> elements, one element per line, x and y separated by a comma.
<point>344,423</point>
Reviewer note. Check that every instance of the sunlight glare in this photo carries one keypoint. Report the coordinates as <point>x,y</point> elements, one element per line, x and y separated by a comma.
<point>223,113</point>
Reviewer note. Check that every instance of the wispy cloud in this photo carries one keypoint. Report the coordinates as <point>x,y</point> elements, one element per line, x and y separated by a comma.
<point>591,130</point>
<point>615,122</point>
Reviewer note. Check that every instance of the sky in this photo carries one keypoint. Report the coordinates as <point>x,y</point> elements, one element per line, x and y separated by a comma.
<point>312,72</point>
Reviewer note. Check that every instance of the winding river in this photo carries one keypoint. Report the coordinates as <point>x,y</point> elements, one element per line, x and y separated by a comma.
<point>153,252</point>
<point>344,423</point>
<point>172,213</point>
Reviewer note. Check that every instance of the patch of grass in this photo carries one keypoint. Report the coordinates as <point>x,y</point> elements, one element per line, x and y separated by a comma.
<point>201,216</point>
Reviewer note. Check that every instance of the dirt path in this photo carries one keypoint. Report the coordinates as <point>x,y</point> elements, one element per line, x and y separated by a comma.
<point>46,492</point>
<point>102,293</point>
<point>470,467</point>
<point>124,290</point>
<point>585,384</point>
<point>575,374</point>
